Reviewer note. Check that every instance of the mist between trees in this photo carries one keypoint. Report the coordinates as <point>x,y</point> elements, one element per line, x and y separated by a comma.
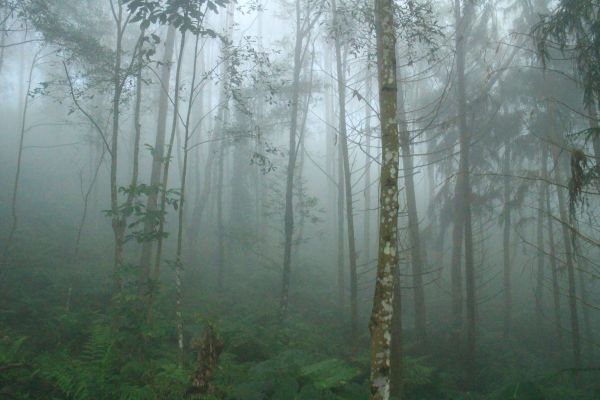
<point>299,199</point>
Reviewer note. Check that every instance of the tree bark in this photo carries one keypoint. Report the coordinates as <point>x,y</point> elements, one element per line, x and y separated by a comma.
<point>223,115</point>
<point>416,255</point>
<point>396,384</point>
<point>341,82</point>
<point>14,199</point>
<point>157,162</point>
<point>368,151</point>
<point>463,223</point>
<point>291,165</point>
<point>168,159</point>
<point>506,242</point>
<point>551,243</point>
<point>387,262</point>
<point>117,225</point>
<point>540,276</point>
<point>182,201</point>
<point>341,280</point>
<point>219,200</point>
<point>574,316</point>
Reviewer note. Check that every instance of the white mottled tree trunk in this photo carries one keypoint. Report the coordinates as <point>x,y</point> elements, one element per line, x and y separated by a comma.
<point>387,261</point>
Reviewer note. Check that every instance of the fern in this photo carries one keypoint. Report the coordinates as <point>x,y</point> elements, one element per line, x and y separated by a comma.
<point>330,373</point>
<point>90,375</point>
<point>415,373</point>
<point>10,350</point>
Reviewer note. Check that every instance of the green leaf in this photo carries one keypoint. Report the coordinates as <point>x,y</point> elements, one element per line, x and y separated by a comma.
<point>330,373</point>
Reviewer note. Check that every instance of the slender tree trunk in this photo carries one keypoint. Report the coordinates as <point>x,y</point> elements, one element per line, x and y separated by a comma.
<point>182,200</point>
<point>387,263</point>
<point>585,301</point>
<point>463,223</point>
<point>157,163</point>
<point>341,280</point>
<point>215,152</point>
<point>168,159</point>
<point>259,187</point>
<point>587,319</point>
<point>539,290</point>
<point>117,226</point>
<point>574,316</point>
<point>289,190</point>
<point>551,245</point>
<point>416,255</point>
<point>220,169</point>
<point>459,211</point>
<point>86,200</point>
<point>14,199</point>
<point>195,173</point>
<point>336,194</point>
<point>220,227</point>
<point>302,153</point>
<point>122,217</point>
<point>368,151</point>
<point>341,82</point>
<point>506,242</point>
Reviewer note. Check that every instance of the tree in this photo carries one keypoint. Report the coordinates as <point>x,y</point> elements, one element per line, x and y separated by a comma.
<point>572,285</point>
<point>148,275</point>
<point>571,30</point>
<point>416,251</point>
<point>15,189</point>
<point>304,25</point>
<point>462,224</point>
<point>341,82</point>
<point>387,259</point>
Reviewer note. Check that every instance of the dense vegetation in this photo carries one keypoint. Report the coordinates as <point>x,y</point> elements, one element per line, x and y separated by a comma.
<point>307,199</point>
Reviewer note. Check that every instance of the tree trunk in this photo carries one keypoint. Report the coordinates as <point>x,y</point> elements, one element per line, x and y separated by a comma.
<point>459,211</point>
<point>157,162</point>
<point>396,384</point>
<point>259,190</point>
<point>117,226</point>
<point>182,200</point>
<point>301,149</point>
<point>223,115</point>
<point>463,223</point>
<point>220,260</point>
<point>416,255</point>
<point>289,187</point>
<point>167,161</point>
<point>539,289</point>
<point>336,192</point>
<point>341,281</point>
<point>553,264</point>
<point>86,198</point>
<point>13,204</point>
<point>585,301</point>
<point>198,154</point>
<point>368,150</point>
<point>574,316</point>
<point>341,82</point>
<point>387,262</point>
<point>506,242</point>
<point>209,348</point>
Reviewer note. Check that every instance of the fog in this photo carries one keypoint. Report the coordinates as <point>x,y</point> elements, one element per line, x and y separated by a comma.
<point>299,199</point>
